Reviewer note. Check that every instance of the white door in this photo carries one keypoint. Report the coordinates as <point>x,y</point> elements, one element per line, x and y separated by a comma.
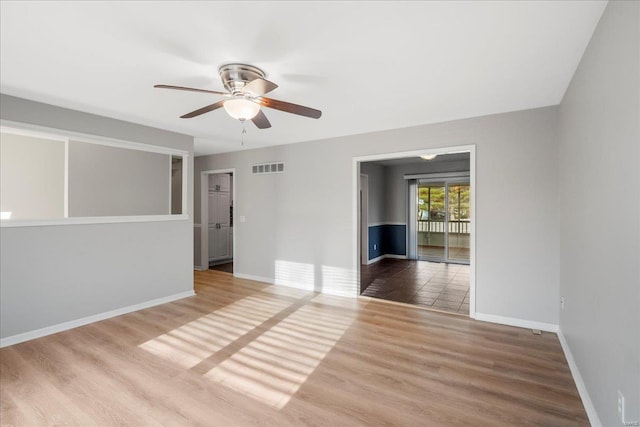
<point>219,247</point>
<point>220,182</point>
<point>219,222</point>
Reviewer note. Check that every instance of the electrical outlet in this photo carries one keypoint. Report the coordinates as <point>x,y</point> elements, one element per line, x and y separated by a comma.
<point>562,303</point>
<point>621,412</point>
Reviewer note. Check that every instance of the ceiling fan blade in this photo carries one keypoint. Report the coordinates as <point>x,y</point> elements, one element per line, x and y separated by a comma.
<point>259,87</point>
<point>190,89</point>
<point>261,121</point>
<point>203,110</point>
<point>289,107</point>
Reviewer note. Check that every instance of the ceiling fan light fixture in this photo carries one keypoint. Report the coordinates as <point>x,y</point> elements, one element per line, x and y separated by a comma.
<point>428,156</point>
<point>241,109</point>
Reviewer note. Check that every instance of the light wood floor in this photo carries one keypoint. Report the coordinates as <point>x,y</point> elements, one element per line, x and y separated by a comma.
<point>245,353</point>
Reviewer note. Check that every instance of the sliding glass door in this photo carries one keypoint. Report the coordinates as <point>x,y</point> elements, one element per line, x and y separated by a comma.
<point>459,217</point>
<point>443,221</point>
<point>431,220</point>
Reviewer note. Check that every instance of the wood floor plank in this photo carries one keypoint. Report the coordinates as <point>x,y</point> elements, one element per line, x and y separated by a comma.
<point>242,352</point>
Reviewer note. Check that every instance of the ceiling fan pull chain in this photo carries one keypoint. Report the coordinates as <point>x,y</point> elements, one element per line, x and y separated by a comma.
<point>244,132</point>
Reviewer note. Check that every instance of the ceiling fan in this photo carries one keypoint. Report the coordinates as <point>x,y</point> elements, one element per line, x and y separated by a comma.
<point>246,87</point>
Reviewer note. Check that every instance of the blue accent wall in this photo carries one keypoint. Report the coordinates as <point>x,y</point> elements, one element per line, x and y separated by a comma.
<point>395,239</point>
<point>375,239</point>
<point>388,239</point>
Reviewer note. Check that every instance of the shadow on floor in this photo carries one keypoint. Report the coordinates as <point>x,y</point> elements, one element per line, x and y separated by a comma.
<point>226,267</point>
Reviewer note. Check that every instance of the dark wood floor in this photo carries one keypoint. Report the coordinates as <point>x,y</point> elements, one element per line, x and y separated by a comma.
<point>246,353</point>
<point>227,267</point>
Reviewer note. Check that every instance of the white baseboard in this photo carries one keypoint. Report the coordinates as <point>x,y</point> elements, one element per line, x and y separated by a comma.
<point>577,378</point>
<point>521,323</point>
<point>393,256</point>
<point>381,257</point>
<point>374,260</point>
<point>255,278</point>
<point>198,268</point>
<point>49,330</point>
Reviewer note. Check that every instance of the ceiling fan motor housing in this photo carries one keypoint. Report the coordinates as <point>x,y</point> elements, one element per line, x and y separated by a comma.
<point>236,76</point>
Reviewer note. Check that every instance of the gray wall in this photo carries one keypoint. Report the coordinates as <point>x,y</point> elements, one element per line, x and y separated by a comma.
<point>113,181</point>
<point>32,177</point>
<point>303,218</point>
<point>600,184</point>
<point>54,274</point>
<point>377,189</point>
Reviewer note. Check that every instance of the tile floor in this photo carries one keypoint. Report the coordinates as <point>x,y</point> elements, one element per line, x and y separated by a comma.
<point>438,252</point>
<point>438,286</point>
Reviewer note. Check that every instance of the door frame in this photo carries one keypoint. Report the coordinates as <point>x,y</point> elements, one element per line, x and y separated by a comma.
<point>204,213</point>
<point>355,217</point>
<point>364,215</point>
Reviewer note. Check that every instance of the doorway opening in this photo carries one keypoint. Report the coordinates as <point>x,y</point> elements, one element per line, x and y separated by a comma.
<point>414,220</point>
<point>217,238</point>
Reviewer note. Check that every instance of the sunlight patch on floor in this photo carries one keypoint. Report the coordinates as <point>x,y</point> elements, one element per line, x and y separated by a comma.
<point>197,340</point>
<point>272,368</point>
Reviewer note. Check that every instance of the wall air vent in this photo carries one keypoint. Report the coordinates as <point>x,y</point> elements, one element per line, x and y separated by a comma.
<point>264,168</point>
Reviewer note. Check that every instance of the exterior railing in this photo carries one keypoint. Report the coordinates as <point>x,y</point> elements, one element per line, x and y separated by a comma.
<point>459,227</point>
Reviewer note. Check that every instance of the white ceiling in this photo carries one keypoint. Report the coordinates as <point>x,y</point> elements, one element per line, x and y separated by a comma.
<point>367,65</point>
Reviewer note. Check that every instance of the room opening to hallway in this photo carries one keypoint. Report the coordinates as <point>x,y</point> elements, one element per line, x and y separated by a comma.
<point>416,230</point>
<point>217,214</point>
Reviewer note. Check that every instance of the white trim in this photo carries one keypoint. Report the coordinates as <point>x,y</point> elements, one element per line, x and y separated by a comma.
<point>49,330</point>
<point>416,153</point>
<point>577,378</point>
<point>520,323</point>
<point>376,259</point>
<point>29,129</point>
<point>378,224</point>
<point>472,237</point>
<point>254,278</point>
<point>199,268</point>
<point>8,223</point>
<point>381,257</point>
<point>44,133</point>
<point>411,235</point>
<point>364,217</point>
<point>66,179</point>
<point>185,184</point>
<point>437,176</point>
<point>394,256</point>
<point>171,184</point>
